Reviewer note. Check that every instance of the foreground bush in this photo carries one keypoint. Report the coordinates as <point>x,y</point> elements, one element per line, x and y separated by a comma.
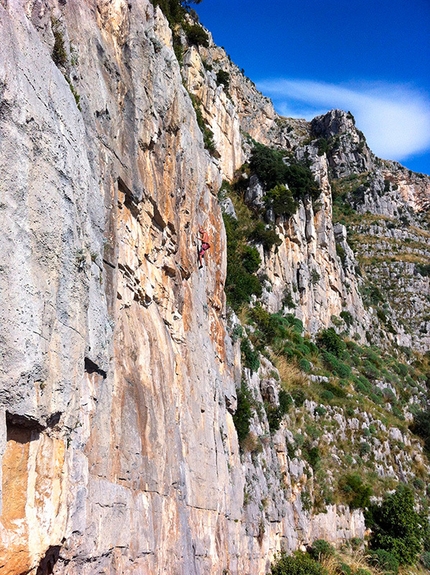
<point>385,561</point>
<point>397,527</point>
<point>298,564</point>
<point>320,549</point>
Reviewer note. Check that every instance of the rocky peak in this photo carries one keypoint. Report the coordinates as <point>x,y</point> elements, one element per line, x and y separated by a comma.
<point>334,123</point>
<point>344,144</point>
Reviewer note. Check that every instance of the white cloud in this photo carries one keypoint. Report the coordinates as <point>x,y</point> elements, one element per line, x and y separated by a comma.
<point>395,119</point>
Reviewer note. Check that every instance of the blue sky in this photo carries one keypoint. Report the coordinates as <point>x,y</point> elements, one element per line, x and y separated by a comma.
<point>309,56</point>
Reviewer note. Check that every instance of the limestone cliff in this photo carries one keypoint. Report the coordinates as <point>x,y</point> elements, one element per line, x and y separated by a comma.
<point>119,376</point>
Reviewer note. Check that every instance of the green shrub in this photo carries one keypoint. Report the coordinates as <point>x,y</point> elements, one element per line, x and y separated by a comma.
<point>240,283</point>
<point>315,277</point>
<point>321,549</point>
<point>340,251</point>
<point>268,165</point>
<point>250,259</point>
<point>243,414</point>
<point>271,170</point>
<point>196,35</point>
<point>335,390</point>
<point>303,349</point>
<point>356,493</point>
<point>376,398</point>
<point>301,181</point>
<point>337,367</point>
<point>59,53</point>
<point>75,93</point>
<point>327,396</point>
<point>172,9</point>
<point>298,396</point>
<point>265,236</point>
<point>207,133</point>
<point>249,355</point>
<point>362,384</point>
<point>240,286</point>
<point>276,413</point>
<point>370,370</point>
<point>359,386</point>
<point>401,369</point>
<point>311,454</point>
<point>294,322</point>
<point>365,448</point>
<point>288,301</point>
<point>280,199</point>
<point>372,295</point>
<point>265,322</point>
<point>418,484</point>
<point>177,47</point>
<point>389,395</point>
<point>285,401</point>
<point>297,564</point>
<point>305,365</point>
<point>425,559</point>
<point>331,341</point>
<point>356,543</point>
<point>397,412</point>
<point>384,560</point>
<point>347,318</point>
<point>237,332</point>
<point>422,269</point>
<point>274,417</point>
<point>344,569</point>
<point>372,356</point>
<point>323,146</point>
<point>223,78</point>
<point>397,527</point>
<point>421,427</point>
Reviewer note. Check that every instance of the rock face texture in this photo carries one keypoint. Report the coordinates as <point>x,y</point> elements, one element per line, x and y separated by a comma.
<point>104,373</point>
<point>118,377</point>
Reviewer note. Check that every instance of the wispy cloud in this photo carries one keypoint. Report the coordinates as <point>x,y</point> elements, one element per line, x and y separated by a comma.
<point>395,119</point>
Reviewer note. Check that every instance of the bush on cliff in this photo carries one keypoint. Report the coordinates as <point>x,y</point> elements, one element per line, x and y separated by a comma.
<point>59,53</point>
<point>268,165</point>
<point>267,237</point>
<point>174,10</point>
<point>223,78</point>
<point>243,414</point>
<point>271,169</point>
<point>196,35</point>
<point>249,356</point>
<point>242,263</point>
<point>280,199</point>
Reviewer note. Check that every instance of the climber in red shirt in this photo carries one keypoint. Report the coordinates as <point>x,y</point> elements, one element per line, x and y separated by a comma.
<point>204,238</point>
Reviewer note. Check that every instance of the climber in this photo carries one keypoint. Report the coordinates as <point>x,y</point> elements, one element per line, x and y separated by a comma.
<point>204,238</point>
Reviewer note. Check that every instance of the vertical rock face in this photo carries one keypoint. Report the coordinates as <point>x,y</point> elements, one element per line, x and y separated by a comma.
<point>103,305</point>
<point>118,377</point>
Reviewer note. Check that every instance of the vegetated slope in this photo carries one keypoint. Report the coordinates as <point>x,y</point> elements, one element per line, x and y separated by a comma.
<point>347,402</point>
